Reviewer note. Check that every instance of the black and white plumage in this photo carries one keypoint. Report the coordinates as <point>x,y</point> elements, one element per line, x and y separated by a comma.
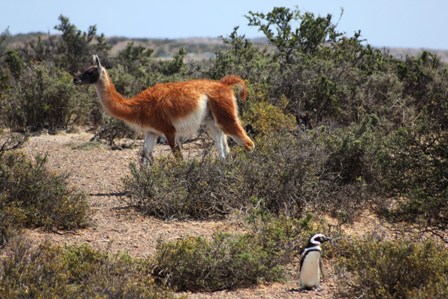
<point>311,268</point>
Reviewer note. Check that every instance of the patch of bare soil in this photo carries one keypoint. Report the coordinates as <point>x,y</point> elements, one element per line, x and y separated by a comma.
<point>99,171</point>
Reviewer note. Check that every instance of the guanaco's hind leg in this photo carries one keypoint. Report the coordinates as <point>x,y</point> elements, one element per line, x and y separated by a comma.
<point>219,138</point>
<point>226,116</point>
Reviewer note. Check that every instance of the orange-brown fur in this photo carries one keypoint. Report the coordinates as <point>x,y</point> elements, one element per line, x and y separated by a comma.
<point>160,108</point>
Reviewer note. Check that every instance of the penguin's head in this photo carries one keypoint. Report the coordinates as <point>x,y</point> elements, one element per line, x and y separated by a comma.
<point>318,239</point>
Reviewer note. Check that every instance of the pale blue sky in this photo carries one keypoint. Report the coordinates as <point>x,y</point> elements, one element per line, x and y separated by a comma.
<point>390,23</point>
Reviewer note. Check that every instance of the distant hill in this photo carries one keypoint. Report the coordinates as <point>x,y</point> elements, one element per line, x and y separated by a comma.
<point>403,52</point>
<point>198,48</point>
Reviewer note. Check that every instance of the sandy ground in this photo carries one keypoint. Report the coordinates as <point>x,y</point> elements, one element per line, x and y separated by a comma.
<point>99,171</point>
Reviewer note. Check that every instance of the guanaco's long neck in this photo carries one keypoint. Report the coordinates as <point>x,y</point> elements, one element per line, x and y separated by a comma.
<point>112,101</point>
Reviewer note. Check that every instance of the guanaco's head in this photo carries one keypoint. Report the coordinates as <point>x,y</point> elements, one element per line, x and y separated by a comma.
<point>90,75</point>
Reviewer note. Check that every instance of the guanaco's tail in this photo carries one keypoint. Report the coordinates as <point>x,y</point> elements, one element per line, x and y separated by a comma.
<point>233,80</point>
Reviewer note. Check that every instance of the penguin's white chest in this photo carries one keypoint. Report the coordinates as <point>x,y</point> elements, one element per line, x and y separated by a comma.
<point>310,272</point>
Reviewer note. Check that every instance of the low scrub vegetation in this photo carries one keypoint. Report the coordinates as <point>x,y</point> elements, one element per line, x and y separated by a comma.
<point>181,190</point>
<point>43,97</point>
<point>393,269</point>
<point>48,271</point>
<point>283,172</point>
<point>232,261</point>
<point>414,164</point>
<point>287,172</point>
<point>226,262</point>
<point>31,196</point>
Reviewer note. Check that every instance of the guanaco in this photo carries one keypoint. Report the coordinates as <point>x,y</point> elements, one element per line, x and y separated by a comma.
<point>174,109</point>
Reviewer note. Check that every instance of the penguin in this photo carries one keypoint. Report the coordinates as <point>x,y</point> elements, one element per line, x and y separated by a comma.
<point>311,268</point>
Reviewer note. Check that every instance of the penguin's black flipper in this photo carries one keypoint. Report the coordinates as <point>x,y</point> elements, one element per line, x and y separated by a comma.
<point>302,258</point>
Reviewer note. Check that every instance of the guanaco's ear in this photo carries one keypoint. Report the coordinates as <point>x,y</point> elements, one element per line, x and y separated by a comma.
<point>96,61</point>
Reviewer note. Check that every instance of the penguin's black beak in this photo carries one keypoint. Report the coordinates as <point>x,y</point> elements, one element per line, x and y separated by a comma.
<point>327,239</point>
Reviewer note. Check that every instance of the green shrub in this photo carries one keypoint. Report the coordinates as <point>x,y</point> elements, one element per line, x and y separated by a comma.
<point>44,97</point>
<point>291,175</point>
<point>394,269</point>
<point>31,273</point>
<point>31,196</point>
<point>240,57</point>
<point>287,172</point>
<point>230,261</point>
<point>226,262</point>
<point>75,47</point>
<point>47,271</point>
<point>307,53</point>
<point>284,171</point>
<point>425,82</point>
<point>276,172</point>
<point>268,119</point>
<point>280,236</point>
<point>352,151</point>
<point>183,189</point>
<point>414,165</point>
<point>133,57</point>
<point>8,142</point>
<point>38,88</point>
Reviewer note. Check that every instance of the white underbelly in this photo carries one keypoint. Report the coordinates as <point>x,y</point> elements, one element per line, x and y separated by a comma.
<point>190,124</point>
<point>310,271</point>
